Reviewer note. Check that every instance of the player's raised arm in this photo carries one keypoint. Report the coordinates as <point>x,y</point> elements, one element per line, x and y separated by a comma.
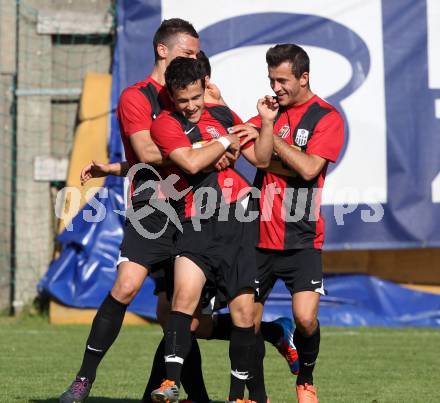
<point>97,170</point>
<point>260,148</point>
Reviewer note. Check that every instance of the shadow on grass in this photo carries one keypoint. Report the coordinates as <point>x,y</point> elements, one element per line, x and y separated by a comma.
<point>95,399</point>
<point>98,399</point>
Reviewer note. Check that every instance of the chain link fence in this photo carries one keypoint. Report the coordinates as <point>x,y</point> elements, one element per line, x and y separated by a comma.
<point>46,48</point>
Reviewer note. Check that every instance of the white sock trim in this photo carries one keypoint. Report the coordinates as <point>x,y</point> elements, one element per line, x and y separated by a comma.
<point>240,375</point>
<point>174,358</point>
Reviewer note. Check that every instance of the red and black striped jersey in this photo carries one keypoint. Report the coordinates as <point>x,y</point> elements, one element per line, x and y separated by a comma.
<point>138,107</point>
<point>290,213</point>
<point>171,131</point>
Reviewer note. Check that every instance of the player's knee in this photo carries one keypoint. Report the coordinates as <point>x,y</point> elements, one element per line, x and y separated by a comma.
<point>125,290</point>
<point>184,302</point>
<point>243,316</point>
<point>306,324</point>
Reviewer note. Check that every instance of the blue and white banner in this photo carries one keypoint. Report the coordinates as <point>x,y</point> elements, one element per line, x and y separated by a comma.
<point>377,61</point>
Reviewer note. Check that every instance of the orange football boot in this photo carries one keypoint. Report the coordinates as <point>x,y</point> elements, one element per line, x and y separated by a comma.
<point>306,394</point>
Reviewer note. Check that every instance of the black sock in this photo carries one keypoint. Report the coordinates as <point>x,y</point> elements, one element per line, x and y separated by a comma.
<point>242,354</point>
<point>177,344</point>
<point>272,332</point>
<point>157,373</point>
<point>221,329</point>
<point>257,390</point>
<point>105,329</point>
<point>308,349</point>
<point>192,376</point>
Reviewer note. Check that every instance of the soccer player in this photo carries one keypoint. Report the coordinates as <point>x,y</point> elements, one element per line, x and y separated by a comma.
<point>138,106</point>
<point>308,134</point>
<point>218,326</point>
<point>216,247</point>
<point>212,95</point>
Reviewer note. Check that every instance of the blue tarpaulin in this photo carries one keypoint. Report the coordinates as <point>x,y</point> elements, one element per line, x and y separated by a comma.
<point>85,271</point>
<point>352,300</point>
<point>362,300</point>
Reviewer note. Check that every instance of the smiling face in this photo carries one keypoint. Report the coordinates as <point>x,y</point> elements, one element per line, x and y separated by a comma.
<point>289,89</point>
<point>189,100</point>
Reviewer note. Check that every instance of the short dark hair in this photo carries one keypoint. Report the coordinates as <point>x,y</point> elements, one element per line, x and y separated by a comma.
<point>168,29</point>
<point>289,52</point>
<point>183,71</point>
<point>204,61</point>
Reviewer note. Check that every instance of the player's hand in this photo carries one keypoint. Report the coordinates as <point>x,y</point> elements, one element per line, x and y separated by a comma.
<point>247,132</point>
<point>222,163</point>
<point>213,94</point>
<point>268,108</point>
<point>226,160</point>
<point>94,170</point>
<point>234,146</point>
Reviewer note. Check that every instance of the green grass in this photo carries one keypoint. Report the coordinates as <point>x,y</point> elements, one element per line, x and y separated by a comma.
<point>37,361</point>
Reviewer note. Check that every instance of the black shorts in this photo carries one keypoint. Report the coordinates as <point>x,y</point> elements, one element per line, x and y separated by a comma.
<point>300,269</point>
<point>224,250</point>
<point>148,241</point>
<point>160,273</point>
<point>210,300</point>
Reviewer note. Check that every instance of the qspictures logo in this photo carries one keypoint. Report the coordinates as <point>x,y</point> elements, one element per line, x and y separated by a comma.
<point>165,198</point>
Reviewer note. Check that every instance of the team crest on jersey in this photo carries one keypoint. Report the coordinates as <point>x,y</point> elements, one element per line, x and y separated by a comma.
<point>302,135</point>
<point>284,131</point>
<point>213,132</point>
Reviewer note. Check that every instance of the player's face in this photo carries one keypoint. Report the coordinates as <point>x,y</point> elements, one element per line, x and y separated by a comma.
<point>189,101</point>
<point>286,86</point>
<point>183,45</point>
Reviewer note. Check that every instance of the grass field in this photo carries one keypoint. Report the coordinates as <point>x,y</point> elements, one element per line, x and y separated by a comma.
<point>38,360</point>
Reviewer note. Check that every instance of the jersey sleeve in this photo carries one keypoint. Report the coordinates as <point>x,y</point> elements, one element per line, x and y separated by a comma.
<point>238,121</point>
<point>133,112</point>
<point>328,137</point>
<point>255,121</point>
<point>168,135</point>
